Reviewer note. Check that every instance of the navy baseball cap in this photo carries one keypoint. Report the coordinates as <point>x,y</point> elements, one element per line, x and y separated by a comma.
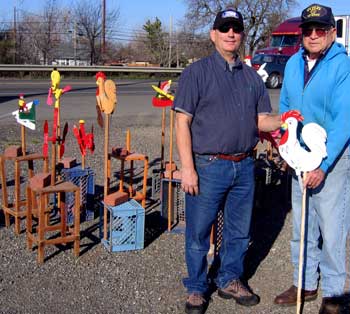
<point>228,16</point>
<point>318,14</point>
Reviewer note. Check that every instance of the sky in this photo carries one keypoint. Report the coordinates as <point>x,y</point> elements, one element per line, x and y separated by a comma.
<point>134,13</point>
<point>339,7</point>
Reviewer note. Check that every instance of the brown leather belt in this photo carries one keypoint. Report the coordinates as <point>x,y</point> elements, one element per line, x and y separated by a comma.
<point>236,158</point>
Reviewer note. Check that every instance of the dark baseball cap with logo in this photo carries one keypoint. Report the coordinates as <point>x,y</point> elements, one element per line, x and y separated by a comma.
<point>317,14</point>
<point>228,16</point>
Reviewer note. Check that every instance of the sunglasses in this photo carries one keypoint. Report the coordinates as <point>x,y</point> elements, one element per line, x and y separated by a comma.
<point>226,27</point>
<point>320,32</point>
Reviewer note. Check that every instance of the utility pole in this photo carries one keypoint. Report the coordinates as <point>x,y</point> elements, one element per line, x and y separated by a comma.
<point>103,26</point>
<point>177,50</point>
<point>177,47</point>
<point>75,42</point>
<point>170,38</point>
<point>15,35</point>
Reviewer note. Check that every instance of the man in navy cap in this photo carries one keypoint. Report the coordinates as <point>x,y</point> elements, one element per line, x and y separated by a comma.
<point>317,83</point>
<point>220,104</point>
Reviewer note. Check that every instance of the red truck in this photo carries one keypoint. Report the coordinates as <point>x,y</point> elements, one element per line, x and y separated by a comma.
<point>286,38</point>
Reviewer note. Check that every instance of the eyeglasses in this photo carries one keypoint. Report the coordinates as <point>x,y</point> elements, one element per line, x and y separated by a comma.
<point>226,27</point>
<point>320,32</point>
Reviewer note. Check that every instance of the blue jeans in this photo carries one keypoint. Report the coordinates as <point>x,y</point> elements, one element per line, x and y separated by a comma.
<point>221,183</point>
<point>327,218</point>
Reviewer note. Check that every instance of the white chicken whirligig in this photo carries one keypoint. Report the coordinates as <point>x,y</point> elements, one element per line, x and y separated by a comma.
<point>314,137</point>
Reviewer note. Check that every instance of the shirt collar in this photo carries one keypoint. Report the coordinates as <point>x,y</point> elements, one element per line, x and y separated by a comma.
<point>223,63</point>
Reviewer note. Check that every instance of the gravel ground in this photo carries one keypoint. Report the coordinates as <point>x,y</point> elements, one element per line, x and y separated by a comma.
<point>145,281</point>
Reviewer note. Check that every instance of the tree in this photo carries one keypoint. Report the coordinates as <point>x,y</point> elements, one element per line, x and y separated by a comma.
<point>40,35</point>
<point>88,17</point>
<point>192,46</point>
<point>6,46</point>
<point>260,16</point>
<point>155,42</point>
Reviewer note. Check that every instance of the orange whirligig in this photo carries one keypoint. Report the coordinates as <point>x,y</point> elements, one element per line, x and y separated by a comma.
<point>106,96</point>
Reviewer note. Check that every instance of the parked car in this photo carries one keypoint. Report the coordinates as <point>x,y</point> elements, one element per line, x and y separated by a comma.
<point>275,65</point>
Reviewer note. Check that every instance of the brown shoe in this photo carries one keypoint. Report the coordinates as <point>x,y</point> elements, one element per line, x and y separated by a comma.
<point>195,304</point>
<point>236,290</point>
<point>289,297</point>
<point>330,306</point>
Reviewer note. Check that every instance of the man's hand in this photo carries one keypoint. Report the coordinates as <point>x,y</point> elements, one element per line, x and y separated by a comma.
<point>189,181</point>
<point>314,178</point>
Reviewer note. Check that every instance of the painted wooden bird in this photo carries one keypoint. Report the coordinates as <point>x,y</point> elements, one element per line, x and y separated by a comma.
<point>106,96</point>
<point>314,137</point>
<point>163,98</point>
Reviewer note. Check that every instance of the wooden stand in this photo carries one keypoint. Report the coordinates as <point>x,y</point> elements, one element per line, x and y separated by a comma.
<point>14,209</point>
<point>66,234</point>
<point>131,158</point>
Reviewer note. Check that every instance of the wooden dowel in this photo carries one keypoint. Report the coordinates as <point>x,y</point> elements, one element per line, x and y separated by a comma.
<point>58,132</point>
<point>128,140</point>
<point>162,162</point>
<point>170,190</point>
<point>106,173</point>
<point>302,245</point>
<point>53,163</point>
<point>23,139</point>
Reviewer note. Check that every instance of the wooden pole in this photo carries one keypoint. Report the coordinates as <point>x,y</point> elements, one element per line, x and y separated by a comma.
<point>23,139</point>
<point>170,190</point>
<point>131,170</point>
<point>53,163</point>
<point>58,133</point>
<point>162,165</point>
<point>128,140</point>
<point>302,246</point>
<point>82,162</point>
<point>106,173</point>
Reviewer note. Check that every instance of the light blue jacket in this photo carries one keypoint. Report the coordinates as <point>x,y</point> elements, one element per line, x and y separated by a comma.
<point>325,99</point>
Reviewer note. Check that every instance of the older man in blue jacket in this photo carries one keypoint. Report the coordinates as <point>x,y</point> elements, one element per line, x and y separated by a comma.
<point>317,83</point>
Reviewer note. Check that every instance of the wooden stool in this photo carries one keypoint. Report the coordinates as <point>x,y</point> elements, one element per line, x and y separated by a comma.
<point>131,157</point>
<point>66,234</point>
<point>14,209</point>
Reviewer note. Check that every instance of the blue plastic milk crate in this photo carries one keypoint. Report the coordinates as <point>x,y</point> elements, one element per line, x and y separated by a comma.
<point>126,227</point>
<point>178,206</point>
<point>84,178</point>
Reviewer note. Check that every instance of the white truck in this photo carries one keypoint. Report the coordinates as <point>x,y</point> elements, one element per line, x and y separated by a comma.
<point>343,30</point>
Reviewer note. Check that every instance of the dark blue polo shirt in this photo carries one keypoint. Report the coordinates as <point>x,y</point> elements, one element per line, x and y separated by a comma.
<point>224,105</point>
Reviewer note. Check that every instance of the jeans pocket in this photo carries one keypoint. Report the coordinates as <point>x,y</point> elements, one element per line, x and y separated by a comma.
<point>203,161</point>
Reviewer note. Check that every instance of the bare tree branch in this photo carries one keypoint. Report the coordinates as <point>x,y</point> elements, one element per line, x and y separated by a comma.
<point>260,16</point>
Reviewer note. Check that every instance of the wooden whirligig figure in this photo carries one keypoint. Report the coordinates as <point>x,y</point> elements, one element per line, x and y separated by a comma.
<point>164,99</point>
<point>302,161</point>
<point>22,106</point>
<point>85,140</point>
<point>106,100</point>
<point>25,116</point>
<point>56,137</point>
<point>314,137</point>
<point>106,96</point>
